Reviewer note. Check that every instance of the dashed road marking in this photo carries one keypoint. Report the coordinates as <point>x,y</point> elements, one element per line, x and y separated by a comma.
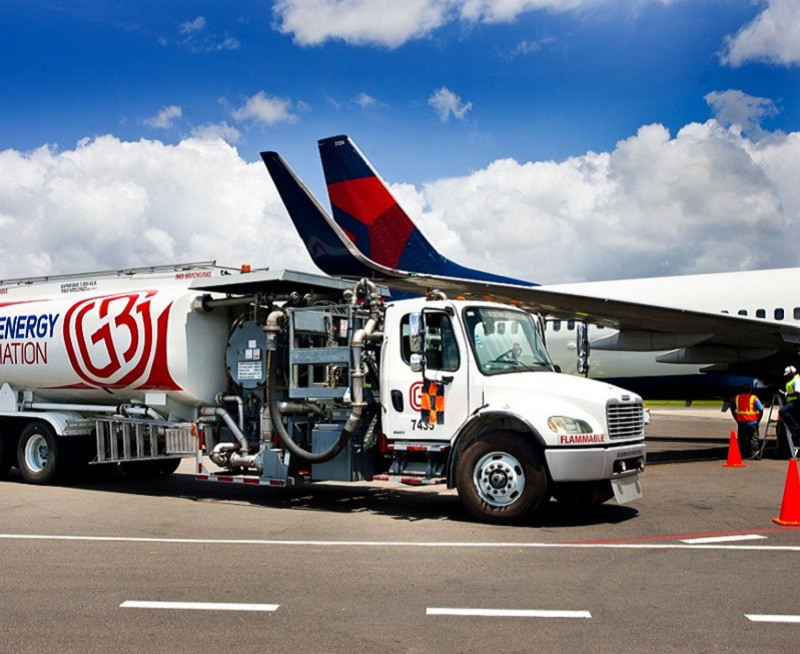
<point>756,617</point>
<point>509,613</point>
<point>198,606</point>
<point>722,539</point>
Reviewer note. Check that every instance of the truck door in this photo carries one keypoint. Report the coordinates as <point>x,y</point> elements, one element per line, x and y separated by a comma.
<point>444,380</point>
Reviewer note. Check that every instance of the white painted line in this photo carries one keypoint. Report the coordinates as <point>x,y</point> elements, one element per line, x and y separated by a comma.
<point>202,606</point>
<point>754,617</point>
<point>722,539</point>
<point>510,613</point>
<point>418,544</point>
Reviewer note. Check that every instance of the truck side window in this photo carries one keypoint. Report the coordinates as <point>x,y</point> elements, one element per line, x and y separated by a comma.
<point>441,347</point>
<point>405,342</point>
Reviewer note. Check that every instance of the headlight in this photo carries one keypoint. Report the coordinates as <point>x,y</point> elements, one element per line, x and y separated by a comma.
<point>566,425</point>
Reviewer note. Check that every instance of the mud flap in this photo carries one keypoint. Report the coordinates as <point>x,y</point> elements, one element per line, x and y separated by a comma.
<point>627,489</point>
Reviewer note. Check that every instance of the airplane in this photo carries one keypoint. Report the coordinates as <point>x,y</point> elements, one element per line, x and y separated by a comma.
<point>714,338</point>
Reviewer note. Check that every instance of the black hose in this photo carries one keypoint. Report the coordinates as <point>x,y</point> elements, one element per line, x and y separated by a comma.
<point>286,439</point>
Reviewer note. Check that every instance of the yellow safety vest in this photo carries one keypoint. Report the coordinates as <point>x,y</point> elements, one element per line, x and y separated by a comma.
<point>792,392</point>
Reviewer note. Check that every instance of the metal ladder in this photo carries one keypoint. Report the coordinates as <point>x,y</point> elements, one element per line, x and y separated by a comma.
<point>131,439</point>
<point>772,424</point>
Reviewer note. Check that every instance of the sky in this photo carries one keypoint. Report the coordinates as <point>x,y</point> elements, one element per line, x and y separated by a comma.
<point>550,140</point>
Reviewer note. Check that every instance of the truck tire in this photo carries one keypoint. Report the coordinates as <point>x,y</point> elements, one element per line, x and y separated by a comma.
<point>582,494</point>
<point>41,455</point>
<point>501,478</point>
<point>5,457</point>
<point>150,469</point>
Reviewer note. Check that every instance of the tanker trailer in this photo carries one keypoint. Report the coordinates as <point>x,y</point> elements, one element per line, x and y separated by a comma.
<point>120,367</point>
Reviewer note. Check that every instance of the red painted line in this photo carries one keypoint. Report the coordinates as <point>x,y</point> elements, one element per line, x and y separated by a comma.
<point>668,537</point>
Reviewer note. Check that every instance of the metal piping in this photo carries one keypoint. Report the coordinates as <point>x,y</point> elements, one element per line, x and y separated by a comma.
<point>357,403</point>
<point>142,410</point>
<point>275,322</point>
<point>220,399</point>
<point>83,408</point>
<point>357,347</point>
<point>226,417</point>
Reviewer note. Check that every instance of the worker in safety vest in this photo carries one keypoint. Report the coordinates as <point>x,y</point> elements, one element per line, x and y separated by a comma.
<point>747,411</point>
<point>788,412</point>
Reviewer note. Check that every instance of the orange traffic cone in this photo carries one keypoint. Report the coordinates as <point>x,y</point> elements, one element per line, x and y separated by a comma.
<point>734,457</point>
<point>790,507</point>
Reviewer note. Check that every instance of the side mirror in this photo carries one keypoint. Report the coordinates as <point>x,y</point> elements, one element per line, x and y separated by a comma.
<point>416,363</point>
<point>415,333</point>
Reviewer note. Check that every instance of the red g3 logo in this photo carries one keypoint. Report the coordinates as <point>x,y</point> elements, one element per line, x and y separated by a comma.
<point>415,396</point>
<point>112,340</point>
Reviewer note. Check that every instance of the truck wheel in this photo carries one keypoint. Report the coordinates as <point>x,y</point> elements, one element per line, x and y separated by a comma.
<point>583,494</point>
<point>5,457</point>
<point>41,456</point>
<point>501,478</point>
<point>150,469</point>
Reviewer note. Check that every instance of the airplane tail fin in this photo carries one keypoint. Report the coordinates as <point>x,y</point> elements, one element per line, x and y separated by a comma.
<point>329,248</point>
<point>367,212</point>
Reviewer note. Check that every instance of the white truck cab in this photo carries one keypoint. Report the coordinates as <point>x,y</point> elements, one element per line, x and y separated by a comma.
<point>477,377</point>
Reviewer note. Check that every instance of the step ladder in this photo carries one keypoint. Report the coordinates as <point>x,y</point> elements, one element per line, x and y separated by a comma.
<point>773,420</point>
<point>131,439</point>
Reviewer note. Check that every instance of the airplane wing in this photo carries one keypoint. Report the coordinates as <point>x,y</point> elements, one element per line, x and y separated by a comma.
<point>692,336</point>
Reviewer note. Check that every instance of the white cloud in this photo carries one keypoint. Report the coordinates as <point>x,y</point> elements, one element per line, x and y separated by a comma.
<point>193,26</point>
<point>164,118</point>
<point>707,199</point>
<point>265,109</point>
<point>364,101</point>
<point>359,22</point>
<point>504,11</point>
<point>446,104</point>
<point>211,131</point>
<point>773,37</point>
<point>390,23</point>
<point>530,47</point>
<point>744,112</point>
<point>197,37</point>
<point>109,204</point>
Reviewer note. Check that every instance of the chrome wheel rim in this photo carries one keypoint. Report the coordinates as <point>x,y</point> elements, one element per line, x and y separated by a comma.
<point>499,479</point>
<point>36,453</point>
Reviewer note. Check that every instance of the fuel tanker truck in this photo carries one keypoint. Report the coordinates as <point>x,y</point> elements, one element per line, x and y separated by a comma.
<point>279,378</point>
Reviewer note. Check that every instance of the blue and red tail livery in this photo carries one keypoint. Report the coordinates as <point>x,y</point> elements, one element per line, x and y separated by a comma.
<point>368,213</point>
<point>329,249</point>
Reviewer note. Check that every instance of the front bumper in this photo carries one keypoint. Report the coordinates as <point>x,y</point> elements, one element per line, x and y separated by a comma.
<point>595,463</point>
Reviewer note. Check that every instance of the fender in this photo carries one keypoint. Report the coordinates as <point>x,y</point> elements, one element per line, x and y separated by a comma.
<point>64,423</point>
<point>480,423</point>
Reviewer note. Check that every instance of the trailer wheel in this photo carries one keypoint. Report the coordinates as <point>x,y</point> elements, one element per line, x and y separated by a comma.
<point>41,456</point>
<point>150,469</point>
<point>5,457</point>
<point>501,478</point>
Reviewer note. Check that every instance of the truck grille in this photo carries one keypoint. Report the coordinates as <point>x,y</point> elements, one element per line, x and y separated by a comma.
<point>625,420</point>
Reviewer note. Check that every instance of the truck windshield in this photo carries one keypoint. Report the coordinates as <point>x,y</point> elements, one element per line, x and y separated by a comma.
<point>504,340</point>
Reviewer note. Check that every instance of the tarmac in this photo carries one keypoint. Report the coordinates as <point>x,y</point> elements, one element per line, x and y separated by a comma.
<point>680,434</point>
